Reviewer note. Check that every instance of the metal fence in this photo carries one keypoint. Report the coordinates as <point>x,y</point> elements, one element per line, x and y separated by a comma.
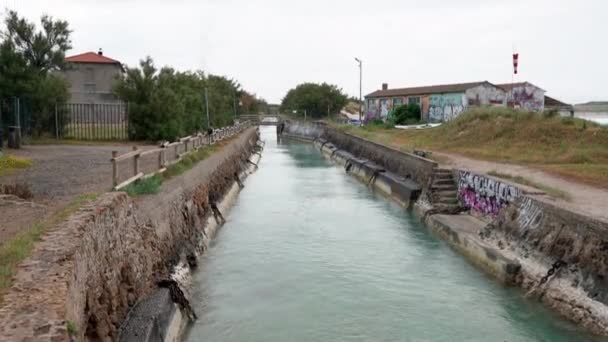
<point>82,121</point>
<point>93,121</point>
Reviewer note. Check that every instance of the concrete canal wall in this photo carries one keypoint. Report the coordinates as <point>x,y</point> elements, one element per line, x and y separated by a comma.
<point>512,232</point>
<point>120,253</point>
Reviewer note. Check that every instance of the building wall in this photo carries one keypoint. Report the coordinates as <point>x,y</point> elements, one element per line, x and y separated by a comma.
<point>92,82</point>
<point>446,107</point>
<point>526,96</point>
<point>485,95</point>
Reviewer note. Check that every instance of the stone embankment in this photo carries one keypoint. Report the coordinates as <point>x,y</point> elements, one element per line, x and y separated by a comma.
<point>557,256</point>
<point>119,253</point>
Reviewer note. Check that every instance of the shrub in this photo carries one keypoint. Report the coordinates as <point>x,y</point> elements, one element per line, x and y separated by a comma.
<point>406,114</point>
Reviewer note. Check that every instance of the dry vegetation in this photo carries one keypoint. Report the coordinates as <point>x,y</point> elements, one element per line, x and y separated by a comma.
<point>573,148</point>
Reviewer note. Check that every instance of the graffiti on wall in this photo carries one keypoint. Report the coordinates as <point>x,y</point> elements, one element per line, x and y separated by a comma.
<point>446,107</point>
<point>530,215</point>
<point>485,195</point>
<point>485,94</point>
<point>526,97</point>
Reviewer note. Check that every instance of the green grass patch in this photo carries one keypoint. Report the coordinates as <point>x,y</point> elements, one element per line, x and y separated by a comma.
<point>71,328</point>
<point>152,184</point>
<point>524,181</point>
<point>10,163</point>
<point>188,161</point>
<point>146,186</point>
<point>19,247</point>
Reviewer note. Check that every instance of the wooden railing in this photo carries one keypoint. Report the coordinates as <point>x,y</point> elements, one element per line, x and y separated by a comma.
<point>180,148</point>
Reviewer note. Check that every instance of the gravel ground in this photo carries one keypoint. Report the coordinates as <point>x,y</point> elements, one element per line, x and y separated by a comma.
<point>59,174</point>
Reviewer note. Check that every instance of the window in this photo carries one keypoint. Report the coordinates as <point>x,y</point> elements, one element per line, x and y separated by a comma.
<point>90,88</point>
<point>89,75</point>
<point>413,100</point>
<point>397,101</point>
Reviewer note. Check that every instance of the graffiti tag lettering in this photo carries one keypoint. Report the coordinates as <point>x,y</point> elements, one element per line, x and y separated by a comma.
<point>485,195</point>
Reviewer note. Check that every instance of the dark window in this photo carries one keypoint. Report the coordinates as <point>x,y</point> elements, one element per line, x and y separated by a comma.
<point>413,100</point>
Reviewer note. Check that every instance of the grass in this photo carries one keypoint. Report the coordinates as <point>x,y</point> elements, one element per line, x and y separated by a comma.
<point>146,186</point>
<point>573,148</point>
<point>189,161</point>
<point>152,184</point>
<point>96,131</point>
<point>71,328</point>
<point>19,247</point>
<point>557,193</point>
<point>9,163</point>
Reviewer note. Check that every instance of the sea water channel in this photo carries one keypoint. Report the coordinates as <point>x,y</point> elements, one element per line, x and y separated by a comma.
<point>311,254</point>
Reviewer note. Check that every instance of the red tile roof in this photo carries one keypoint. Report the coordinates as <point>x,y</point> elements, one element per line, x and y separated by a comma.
<point>434,89</point>
<point>91,57</point>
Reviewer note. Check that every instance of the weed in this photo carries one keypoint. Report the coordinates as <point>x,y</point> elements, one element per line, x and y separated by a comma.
<point>150,185</point>
<point>20,190</point>
<point>71,327</point>
<point>9,163</point>
<point>19,247</point>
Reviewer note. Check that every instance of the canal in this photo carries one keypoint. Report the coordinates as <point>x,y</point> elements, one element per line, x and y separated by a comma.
<point>311,254</point>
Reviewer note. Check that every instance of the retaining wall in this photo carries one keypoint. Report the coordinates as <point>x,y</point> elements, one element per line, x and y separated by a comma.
<point>528,228</point>
<point>402,164</point>
<point>403,191</point>
<point>88,272</point>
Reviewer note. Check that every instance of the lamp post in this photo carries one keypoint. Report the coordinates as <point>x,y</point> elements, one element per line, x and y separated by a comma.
<point>360,87</point>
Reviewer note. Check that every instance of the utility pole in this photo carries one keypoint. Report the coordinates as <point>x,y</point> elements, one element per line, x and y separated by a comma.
<point>235,107</point>
<point>207,105</point>
<point>304,114</point>
<point>360,87</point>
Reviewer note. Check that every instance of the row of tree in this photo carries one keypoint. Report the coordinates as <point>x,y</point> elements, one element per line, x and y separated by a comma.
<point>166,104</point>
<point>316,100</point>
<point>163,104</point>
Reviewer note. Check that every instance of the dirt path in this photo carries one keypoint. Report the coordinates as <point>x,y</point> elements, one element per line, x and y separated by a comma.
<point>59,173</point>
<point>585,199</point>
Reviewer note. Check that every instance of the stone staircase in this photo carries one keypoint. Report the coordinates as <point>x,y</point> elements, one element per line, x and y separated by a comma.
<point>444,191</point>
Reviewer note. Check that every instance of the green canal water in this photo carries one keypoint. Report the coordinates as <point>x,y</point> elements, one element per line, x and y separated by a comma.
<point>311,254</point>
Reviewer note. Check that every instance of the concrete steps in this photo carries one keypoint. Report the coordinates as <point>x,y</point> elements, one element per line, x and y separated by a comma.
<point>443,188</point>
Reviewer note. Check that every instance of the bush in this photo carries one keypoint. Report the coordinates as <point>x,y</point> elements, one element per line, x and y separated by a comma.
<point>406,114</point>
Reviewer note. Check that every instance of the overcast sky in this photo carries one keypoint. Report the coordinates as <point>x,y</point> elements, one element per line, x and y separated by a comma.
<point>270,46</point>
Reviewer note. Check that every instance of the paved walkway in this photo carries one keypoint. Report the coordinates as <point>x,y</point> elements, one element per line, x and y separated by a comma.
<point>586,199</point>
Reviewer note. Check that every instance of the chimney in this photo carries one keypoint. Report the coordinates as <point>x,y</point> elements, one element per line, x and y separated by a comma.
<point>384,86</point>
<point>100,52</point>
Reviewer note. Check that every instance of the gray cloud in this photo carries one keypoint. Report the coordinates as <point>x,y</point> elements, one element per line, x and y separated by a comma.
<point>271,45</point>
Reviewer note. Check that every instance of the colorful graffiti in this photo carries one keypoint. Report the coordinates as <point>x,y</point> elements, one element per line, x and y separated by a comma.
<point>526,96</point>
<point>485,195</point>
<point>446,107</point>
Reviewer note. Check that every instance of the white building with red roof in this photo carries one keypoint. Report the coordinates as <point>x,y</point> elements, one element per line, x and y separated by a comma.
<point>92,76</point>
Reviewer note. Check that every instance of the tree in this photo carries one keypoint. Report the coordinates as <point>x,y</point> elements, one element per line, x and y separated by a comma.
<point>43,50</point>
<point>317,99</point>
<point>167,104</point>
<point>27,57</point>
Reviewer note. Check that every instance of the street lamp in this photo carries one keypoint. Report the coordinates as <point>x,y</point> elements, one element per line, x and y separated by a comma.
<point>360,87</point>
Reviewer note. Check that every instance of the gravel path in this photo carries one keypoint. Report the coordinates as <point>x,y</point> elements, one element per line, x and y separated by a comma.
<point>586,199</point>
<point>59,174</point>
